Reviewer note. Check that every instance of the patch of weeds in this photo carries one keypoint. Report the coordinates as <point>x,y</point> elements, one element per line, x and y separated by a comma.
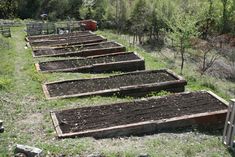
<point>209,84</point>
<point>191,78</point>
<point>5,83</point>
<point>189,152</point>
<point>158,94</point>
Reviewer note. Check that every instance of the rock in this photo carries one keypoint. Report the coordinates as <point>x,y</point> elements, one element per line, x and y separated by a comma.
<point>1,129</point>
<point>144,155</point>
<point>1,123</point>
<point>94,155</point>
<point>20,155</point>
<point>28,151</point>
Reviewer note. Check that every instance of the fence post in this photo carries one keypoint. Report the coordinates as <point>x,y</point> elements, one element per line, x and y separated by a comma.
<point>229,127</point>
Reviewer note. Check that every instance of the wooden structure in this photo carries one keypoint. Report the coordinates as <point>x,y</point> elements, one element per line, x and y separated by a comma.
<point>5,31</point>
<point>133,84</point>
<point>89,24</point>
<point>81,50</point>
<point>39,28</point>
<point>203,110</point>
<point>69,26</point>
<point>40,38</point>
<point>124,62</point>
<point>229,128</point>
<point>70,41</point>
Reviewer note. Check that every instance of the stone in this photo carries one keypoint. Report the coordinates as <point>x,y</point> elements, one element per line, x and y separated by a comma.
<point>28,151</point>
<point>20,155</point>
<point>94,155</point>
<point>144,155</point>
<point>1,129</point>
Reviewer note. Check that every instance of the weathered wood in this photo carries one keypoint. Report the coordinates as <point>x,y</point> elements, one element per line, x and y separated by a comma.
<point>83,50</point>
<point>42,37</point>
<point>229,127</point>
<point>81,40</point>
<point>202,120</point>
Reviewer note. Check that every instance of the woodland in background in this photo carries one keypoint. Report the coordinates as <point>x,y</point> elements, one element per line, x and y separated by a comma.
<point>178,22</point>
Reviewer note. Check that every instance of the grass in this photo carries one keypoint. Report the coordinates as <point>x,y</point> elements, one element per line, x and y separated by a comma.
<point>25,111</point>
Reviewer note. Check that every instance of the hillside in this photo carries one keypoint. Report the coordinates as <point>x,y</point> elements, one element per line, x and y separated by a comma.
<point>25,110</point>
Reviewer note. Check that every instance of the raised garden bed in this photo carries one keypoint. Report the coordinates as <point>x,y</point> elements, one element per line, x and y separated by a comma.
<point>130,84</point>
<point>198,109</point>
<point>92,49</point>
<point>80,40</point>
<point>59,37</point>
<point>55,36</point>
<point>124,62</point>
<point>69,38</point>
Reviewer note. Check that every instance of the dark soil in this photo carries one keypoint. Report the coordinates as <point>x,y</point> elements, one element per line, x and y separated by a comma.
<point>78,63</point>
<point>79,40</point>
<point>92,85</point>
<point>88,118</point>
<point>75,49</point>
<point>58,36</point>
<point>75,37</point>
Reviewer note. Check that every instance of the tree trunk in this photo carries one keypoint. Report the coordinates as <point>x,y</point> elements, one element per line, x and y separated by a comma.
<point>182,49</point>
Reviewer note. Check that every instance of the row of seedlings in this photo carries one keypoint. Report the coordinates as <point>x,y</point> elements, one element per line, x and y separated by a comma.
<point>202,109</point>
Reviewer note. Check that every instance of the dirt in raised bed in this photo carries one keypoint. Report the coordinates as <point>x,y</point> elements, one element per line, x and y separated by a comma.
<point>76,63</point>
<point>55,36</point>
<point>117,81</point>
<point>81,40</point>
<point>88,118</point>
<point>75,49</point>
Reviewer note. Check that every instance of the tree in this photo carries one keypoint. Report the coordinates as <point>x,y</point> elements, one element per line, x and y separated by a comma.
<point>8,9</point>
<point>121,15</point>
<point>225,16</point>
<point>207,21</point>
<point>139,20</point>
<point>205,54</point>
<point>183,28</point>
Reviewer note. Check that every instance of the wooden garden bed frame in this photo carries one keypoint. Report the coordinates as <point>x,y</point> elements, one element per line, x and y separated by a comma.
<point>123,66</point>
<point>74,42</point>
<point>211,120</point>
<point>88,52</point>
<point>42,37</point>
<point>175,86</point>
<point>64,37</point>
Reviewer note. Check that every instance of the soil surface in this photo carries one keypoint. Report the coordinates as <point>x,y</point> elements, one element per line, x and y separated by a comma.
<point>78,63</point>
<point>79,40</point>
<point>75,37</point>
<point>88,118</point>
<point>117,81</point>
<point>75,49</point>
<point>56,36</point>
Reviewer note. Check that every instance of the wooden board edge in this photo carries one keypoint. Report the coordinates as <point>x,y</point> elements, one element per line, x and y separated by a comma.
<point>56,124</point>
<point>46,92</point>
<point>37,66</point>
<point>218,97</point>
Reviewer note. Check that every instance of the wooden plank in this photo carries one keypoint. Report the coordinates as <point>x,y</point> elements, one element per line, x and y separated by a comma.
<point>225,139</point>
<point>231,126</point>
